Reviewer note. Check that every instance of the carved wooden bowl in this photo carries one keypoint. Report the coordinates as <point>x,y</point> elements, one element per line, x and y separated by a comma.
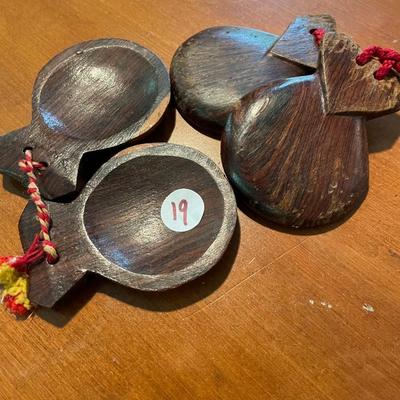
<point>92,96</point>
<point>151,219</point>
<point>214,69</point>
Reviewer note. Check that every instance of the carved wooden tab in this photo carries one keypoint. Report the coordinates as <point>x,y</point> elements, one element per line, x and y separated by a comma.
<point>151,219</point>
<point>298,45</point>
<point>94,95</point>
<point>353,89</point>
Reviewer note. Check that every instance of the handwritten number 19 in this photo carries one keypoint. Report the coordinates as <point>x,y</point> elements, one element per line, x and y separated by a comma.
<point>183,208</point>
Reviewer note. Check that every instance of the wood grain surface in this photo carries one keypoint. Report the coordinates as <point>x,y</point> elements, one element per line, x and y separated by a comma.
<point>114,227</point>
<point>213,69</point>
<point>296,149</point>
<point>293,164</point>
<point>282,316</point>
<point>296,45</point>
<point>92,96</point>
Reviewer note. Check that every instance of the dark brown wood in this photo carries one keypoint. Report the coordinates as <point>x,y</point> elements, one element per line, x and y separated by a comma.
<point>353,89</point>
<point>296,162</point>
<point>214,69</point>
<point>280,317</point>
<point>94,95</point>
<point>297,45</point>
<point>114,227</point>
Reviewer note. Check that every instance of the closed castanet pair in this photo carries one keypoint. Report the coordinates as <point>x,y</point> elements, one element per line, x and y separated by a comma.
<point>291,112</point>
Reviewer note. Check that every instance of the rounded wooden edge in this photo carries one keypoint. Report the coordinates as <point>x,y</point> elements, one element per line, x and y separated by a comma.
<point>139,127</point>
<point>217,29</point>
<point>243,187</point>
<point>209,126</point>
<point>168,280</point>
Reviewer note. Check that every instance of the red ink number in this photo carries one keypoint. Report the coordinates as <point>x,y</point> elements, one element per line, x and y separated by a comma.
<point>173,210</point>
<point>183,207</point>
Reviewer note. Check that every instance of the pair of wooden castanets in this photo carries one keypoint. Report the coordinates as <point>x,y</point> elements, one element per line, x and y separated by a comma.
<point>155,216</point>
<point>291,112</point>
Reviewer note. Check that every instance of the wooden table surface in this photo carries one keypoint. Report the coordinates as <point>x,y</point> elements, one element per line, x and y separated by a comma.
<point>283,316</point>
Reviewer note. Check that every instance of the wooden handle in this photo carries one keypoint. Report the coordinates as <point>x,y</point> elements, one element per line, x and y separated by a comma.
<point>48,283</point>
<point>12,147</point>
<point>60,176</point>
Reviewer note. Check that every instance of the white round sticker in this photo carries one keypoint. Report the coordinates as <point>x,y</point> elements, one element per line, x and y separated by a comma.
<point>182,210</point>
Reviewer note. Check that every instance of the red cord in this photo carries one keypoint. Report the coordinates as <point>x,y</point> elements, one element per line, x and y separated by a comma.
<point>389,58</point>
<point>29,166</point>
<point>318,34</point>
<point>14,270</point>
<point>32,256</point>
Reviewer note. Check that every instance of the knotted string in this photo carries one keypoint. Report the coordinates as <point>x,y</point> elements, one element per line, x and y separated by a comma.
<point>389,58</point>
<point>14,270</point>
<point>318,34</point>
<point>29,166</point>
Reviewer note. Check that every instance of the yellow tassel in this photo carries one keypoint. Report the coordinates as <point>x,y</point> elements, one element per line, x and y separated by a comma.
<point>8,275</point>
<point>19,290</point>
<point>14,284</point>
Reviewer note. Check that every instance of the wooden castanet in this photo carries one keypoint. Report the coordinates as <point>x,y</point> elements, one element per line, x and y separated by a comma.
<point>296,149</point>
<point>94,95</point>
<point>152,219</point>
<point>215,68</point>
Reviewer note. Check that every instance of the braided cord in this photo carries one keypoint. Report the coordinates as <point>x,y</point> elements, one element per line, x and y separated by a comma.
<point>29,166</point>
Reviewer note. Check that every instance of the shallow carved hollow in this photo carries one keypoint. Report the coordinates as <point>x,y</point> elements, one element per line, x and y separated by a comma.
<point>93,95</point>
<point>122,215</point>
<point>115,228</point>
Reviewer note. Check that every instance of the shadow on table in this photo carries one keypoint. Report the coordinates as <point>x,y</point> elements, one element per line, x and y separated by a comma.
<point>383,132</point>
<point>165,301</point>
<point>293,231</point>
